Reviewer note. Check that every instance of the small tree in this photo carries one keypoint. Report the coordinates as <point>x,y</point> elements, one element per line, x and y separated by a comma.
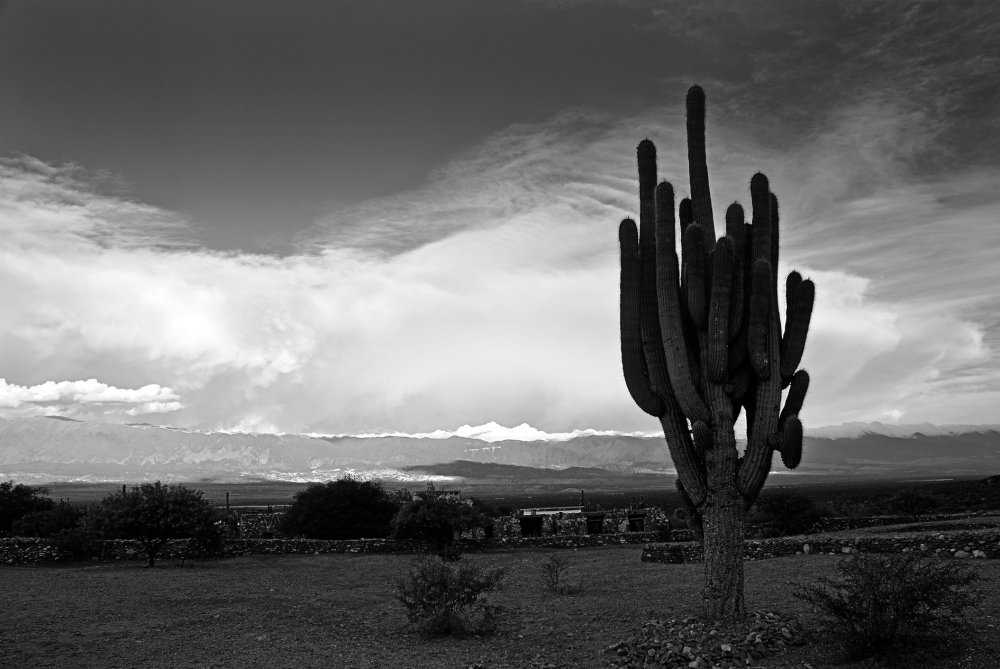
<point>435,518</point>
<point>17,501</point>
<point>347,508</point>
<point>153,514</point>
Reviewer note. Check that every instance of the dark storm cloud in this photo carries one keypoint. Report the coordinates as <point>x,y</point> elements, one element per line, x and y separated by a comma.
<point>256,118</point>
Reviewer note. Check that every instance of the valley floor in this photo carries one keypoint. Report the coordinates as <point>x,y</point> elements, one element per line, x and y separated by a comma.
<point>335,610</point>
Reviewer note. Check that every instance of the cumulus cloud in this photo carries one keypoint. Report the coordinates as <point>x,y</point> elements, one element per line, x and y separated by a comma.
<point>84,392</point>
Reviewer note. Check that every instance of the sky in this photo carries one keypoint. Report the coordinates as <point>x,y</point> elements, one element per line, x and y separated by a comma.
<point>401,216</point>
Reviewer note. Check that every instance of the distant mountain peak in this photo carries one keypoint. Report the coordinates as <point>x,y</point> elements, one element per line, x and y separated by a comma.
<point>856,430</point>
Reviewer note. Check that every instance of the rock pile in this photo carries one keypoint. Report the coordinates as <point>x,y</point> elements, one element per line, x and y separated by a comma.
<point>697,644</point>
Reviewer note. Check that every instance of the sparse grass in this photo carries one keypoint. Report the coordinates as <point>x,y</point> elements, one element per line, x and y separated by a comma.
<point>339,610</point>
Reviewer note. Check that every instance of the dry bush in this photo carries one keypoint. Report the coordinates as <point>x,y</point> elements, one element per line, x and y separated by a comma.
<point>879,601</point>
<point>444,599</point>
<point>554,575</point>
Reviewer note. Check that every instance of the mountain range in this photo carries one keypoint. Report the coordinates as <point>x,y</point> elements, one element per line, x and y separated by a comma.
<point>44,449</point>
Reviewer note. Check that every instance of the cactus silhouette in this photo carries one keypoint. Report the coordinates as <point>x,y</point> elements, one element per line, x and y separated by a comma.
<point>702,341</point>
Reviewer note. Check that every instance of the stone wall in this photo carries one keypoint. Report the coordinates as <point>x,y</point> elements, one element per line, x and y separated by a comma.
<point>962,544</point>
<point>32,550</point>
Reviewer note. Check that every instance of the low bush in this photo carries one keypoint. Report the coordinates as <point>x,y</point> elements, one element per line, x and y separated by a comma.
<point>444,599</point>
<point>879,601</point>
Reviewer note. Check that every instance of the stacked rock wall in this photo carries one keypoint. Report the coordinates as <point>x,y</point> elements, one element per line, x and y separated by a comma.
<point>961,544</point>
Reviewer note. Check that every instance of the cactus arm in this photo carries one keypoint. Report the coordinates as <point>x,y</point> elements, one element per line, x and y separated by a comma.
<point>668,298</point>
<point>702,434</point>
<point>796,396</point>
<point>685,214</point>
<point>656,364</point>
<point>741,383</point>
<point>738,351</point>
<point>760,316</point>
<point>694,513</point>
<point>633,357</point>
<point>796,327</point>
<point>735,230</point>
<point>792,283</point>
<point>701,198</point>
<point>791,442</point>
<point>694,270</point>
<point>756,463</point>
<point>718,313</point>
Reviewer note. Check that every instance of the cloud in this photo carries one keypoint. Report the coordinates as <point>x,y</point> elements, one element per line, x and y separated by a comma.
<point>492,432</point>
<point>491,294</point>
<point>84,392</point>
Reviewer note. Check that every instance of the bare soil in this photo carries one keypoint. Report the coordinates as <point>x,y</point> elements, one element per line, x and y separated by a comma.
<point>335,610</point>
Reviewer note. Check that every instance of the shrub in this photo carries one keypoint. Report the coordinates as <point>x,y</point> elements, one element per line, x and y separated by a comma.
<point>153,514</point>
<point>878,601</point>
<point>554,575</point>
<point>347,508</point>
<point>17,501</point>
<point>47,523</point>
<point>435,518</point>
<point>788,511</point>
<point>442,599</point>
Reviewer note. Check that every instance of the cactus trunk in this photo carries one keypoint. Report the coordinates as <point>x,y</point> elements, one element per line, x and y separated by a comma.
<point>702,340</point>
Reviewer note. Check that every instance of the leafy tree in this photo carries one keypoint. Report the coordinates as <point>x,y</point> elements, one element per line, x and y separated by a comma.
<point>435,518</point>
<point>17,501</point>
<point>48,523</point>
<point>153,514</point>
<point>789,511</point>
<point>347,508</point>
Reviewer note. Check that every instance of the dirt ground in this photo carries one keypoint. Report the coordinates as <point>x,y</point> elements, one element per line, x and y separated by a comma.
<point>338,611</point>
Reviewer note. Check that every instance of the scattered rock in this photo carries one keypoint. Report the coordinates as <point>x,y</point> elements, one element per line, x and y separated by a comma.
<point>690,642</point>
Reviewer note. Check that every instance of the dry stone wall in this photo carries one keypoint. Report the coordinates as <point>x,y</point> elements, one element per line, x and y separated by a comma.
<point>971,544</point>
<point>32,550</point>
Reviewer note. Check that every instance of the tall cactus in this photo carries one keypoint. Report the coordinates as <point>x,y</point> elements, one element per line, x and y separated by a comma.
<point>702,341</point>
